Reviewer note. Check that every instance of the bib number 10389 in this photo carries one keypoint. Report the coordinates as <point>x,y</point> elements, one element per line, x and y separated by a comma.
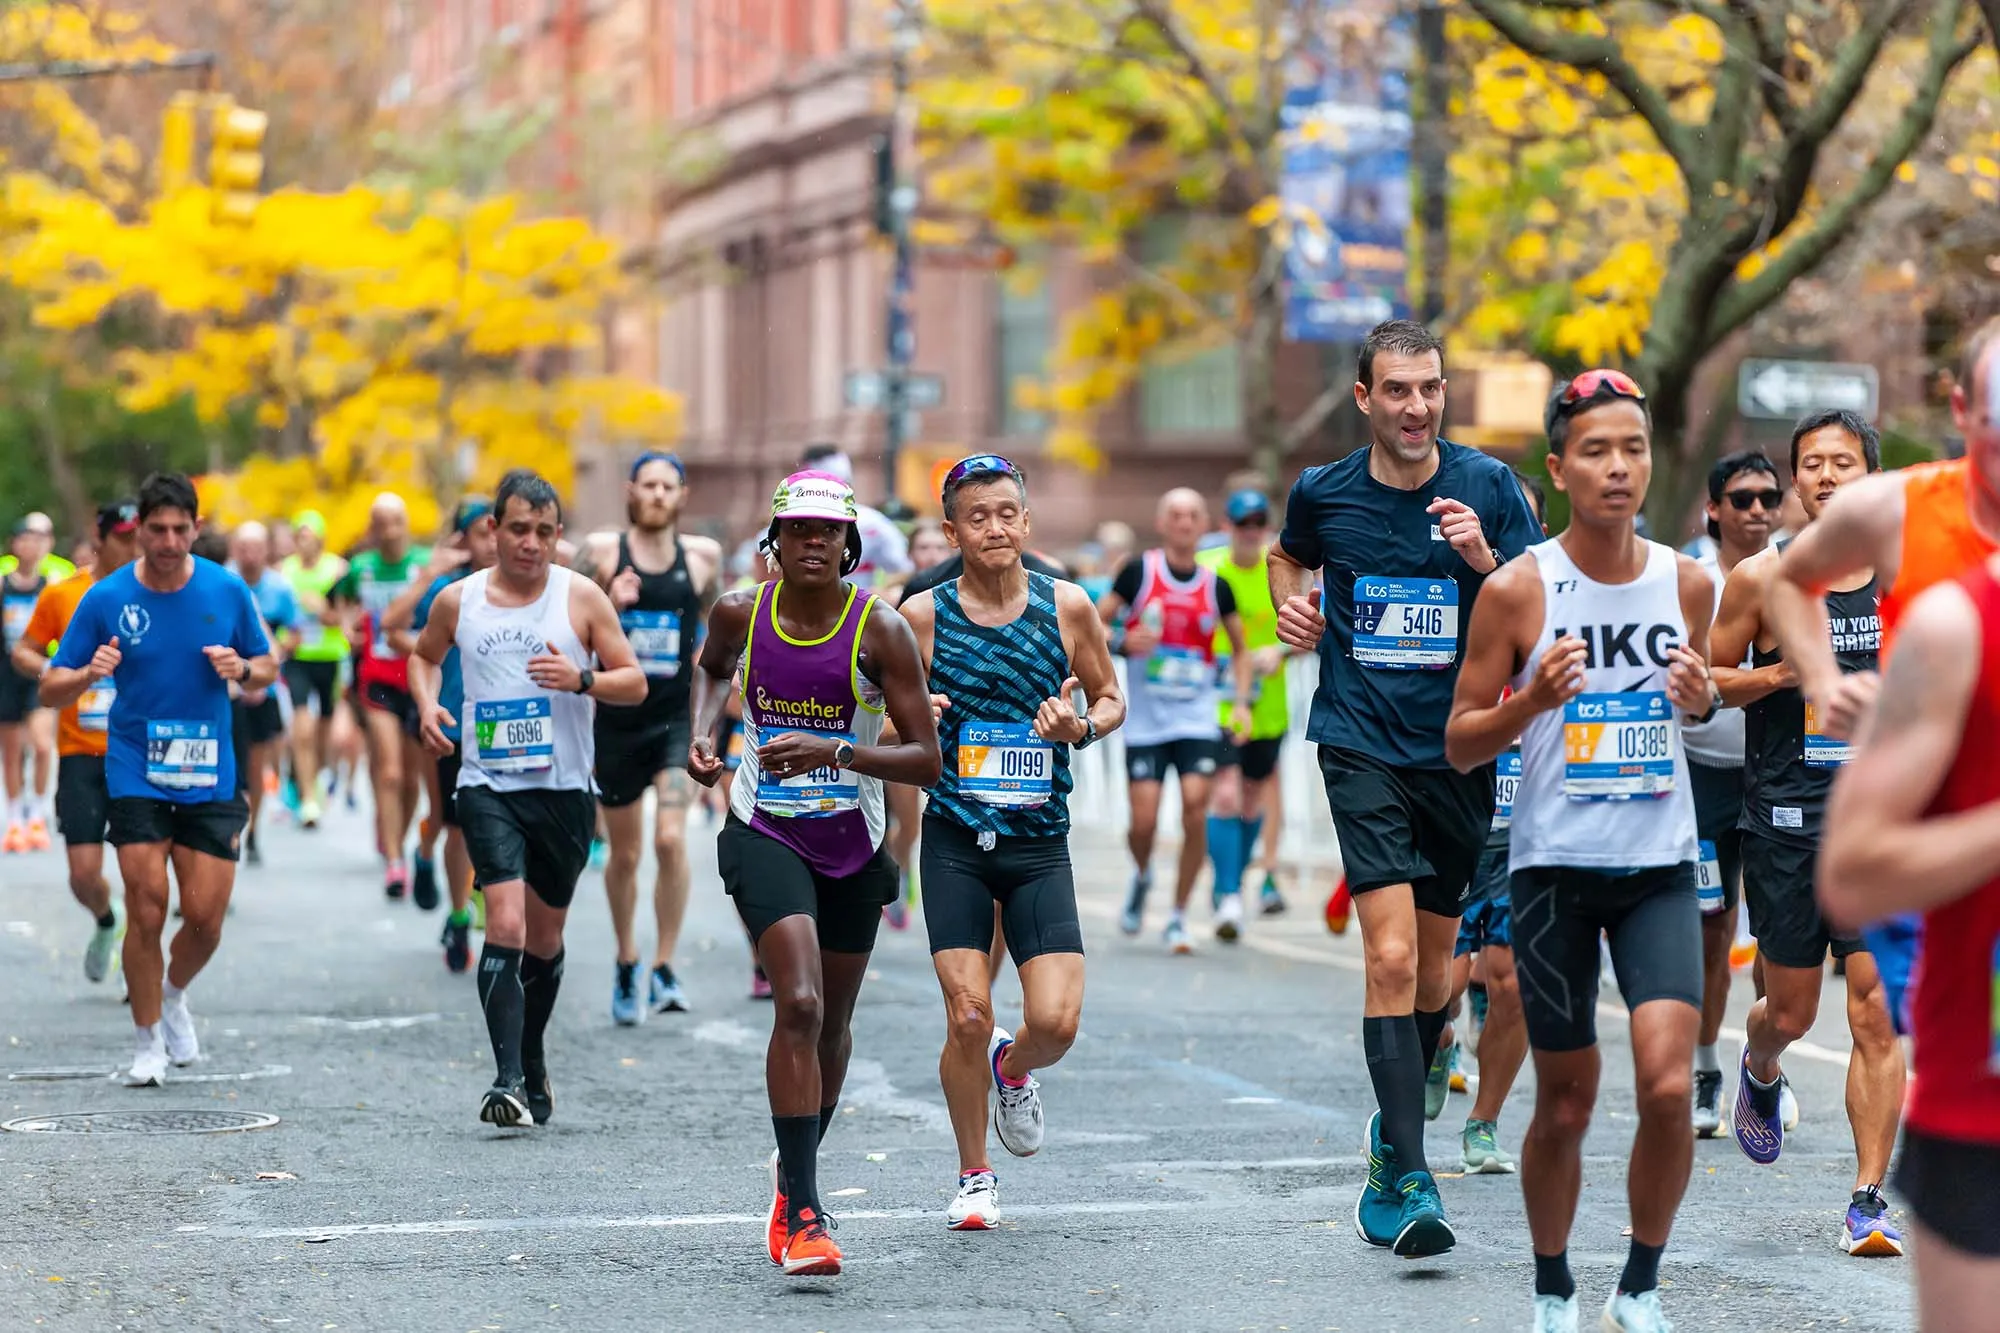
<point>1618,747</point>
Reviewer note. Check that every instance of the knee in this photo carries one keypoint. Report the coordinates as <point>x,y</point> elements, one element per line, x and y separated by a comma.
<point>1056,1028</point>
<point>506,924</point>
<point>1392,965</point>
<point>801,1014</point>
<point>669,844</point>
<point>623,859</point>
<point>1791,1017</point>
<point>1562,1110</point>
<point>1868,1019</point>
<point>969,1020</point>
<point>1665,1094</point>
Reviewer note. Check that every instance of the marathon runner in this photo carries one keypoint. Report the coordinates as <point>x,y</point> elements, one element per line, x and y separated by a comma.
<point>525,631</point>
<point>801,852</point>
<point>1168,609</point>
<point>1600,634</point>
<point>172,631</point>
<point>1406,532</point>
<point>1789,769</point>
<point>312,672</point>
<point>82,801</point>
<point>1007,650</point>
<point>20,586</point>
<point>662,584</point>
<point>1744,499</point>
<point>258,722</point>
<point>1913,826</point>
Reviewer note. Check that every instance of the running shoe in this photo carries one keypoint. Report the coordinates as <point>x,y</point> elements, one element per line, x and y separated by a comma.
<point>1707,1102</point>
<point>1379,1207</point>
<point>1868,1232</point>
<point>457,941</point>
<point>424,885</point>
<point>1555,1314</point>
<point>1421,1230</point>
<point>774,1225</point>
<point>896,914</point>
<point>177,1030</point>
<point>1437,1083</point>
<point>1270,902</point>
<point>149,1061</point>
<point>1759,1133</point>
<point>1339,907</point>
<point>1135,904</point>
<point>760,985</point>
<point>663,991</point>
<point>289,794</point>
<point>1459,1083</point>
<point>38,835</point>
<point>1788,1104</point>
<point>977,1204</point>
<point>16,839</point>
<point>809,1248</point>
<point>506,1105</point>
<point>600,852</point>
<point>1480,1151</point>
<point>252,853</point>
<point>1018,1117</point>
<point>1634,1312</point>
<point>396,881</point>
<point>310,812</point>
<point>539,1092</point>
<point>626,1011</point>
<point>1176,936</point>
<point>101,954</point>
<point>1229,918</point>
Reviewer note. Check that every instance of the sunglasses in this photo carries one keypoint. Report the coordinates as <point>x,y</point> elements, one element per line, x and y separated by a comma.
<point>1255,519</point>
<point>1599,384</point>
<point>1741,501</point>
<point>981,467</point>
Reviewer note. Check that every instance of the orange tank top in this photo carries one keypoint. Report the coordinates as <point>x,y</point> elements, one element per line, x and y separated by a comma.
<point>1939,541</point>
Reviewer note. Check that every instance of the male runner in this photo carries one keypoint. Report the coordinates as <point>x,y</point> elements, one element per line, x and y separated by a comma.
<point>1599,633</point>
<point>525,631</point>
<point>801,854</point>
<point>374,579</point>
<point>662,584</point>
<point>312,672</point>
<point>1913,826</point>
<point>1169,609</point>
<point>1743,503</point>
<point>1406,532</point>
<point>1243,790</point>
<point>173,632</point>
<point>27,822</point>
<point>1007,650</point>
<point>1790,766</point>
<point>82,801</point>
<point>258,723</point>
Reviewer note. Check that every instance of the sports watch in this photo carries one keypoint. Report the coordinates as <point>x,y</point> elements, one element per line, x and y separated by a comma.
<point>843,754</point>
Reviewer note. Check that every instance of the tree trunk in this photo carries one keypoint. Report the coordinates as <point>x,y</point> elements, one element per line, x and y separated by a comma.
<point>1258,371</point>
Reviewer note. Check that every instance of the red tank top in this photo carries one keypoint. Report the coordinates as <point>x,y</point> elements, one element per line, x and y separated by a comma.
<point>1955,1006</point>
<point>1188,612</point>
<point>1939,539</point>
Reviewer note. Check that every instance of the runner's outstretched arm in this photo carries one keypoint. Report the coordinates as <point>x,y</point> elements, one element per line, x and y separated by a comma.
<point>714,679</point>
<point>1859,530</point>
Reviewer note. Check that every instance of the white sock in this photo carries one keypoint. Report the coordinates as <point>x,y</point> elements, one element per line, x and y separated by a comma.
<point>169,992</point>
<point>146,1035</point>
<point>1705,1060</point>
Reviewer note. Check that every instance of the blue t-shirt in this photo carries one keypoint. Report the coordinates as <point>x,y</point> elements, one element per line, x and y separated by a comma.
<point>276,601</point>
<point>168,736</point>
<point>451,678</point>
<point>1342,521</point>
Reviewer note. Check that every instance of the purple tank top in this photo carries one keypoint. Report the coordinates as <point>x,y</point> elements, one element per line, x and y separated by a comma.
<point>831,818</point>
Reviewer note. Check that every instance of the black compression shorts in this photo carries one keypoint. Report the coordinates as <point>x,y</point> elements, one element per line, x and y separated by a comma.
<point>1654,925</point>
<point>1030,878</point>
<point>538,835</point>
<point>769,882</point>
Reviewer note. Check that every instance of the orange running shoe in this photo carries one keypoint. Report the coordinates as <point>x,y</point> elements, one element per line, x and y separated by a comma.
<point>16,839</point>
<point>1742,954</point>
<point>809,1249</point>
<point>1339,907</point>
<point>774,1226</point>
<point>38,836</point>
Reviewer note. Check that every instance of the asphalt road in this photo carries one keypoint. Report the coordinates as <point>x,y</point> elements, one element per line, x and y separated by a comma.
<point>1200,1170</point>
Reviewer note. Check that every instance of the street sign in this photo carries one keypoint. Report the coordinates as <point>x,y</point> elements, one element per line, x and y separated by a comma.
<point>868,391</point>
<point>1783,390</point>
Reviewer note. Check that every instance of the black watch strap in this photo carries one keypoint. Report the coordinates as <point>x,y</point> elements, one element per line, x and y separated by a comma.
<point>584,680</point>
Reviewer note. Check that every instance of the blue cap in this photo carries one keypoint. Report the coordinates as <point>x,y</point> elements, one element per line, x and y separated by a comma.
<point>658,456</point>
<point>1245,503</point>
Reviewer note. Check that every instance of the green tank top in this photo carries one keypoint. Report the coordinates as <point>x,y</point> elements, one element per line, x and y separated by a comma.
<point>317,642</point>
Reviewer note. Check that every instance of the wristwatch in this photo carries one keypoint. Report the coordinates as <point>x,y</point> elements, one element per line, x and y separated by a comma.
<point>243,676</point>
<point>843,754</point>
<point>1089,734</point>
<point>584,680</point>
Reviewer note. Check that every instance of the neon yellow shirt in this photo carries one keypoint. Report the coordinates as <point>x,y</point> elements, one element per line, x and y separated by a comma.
<point>1270,711</point>
<point>53,568</point>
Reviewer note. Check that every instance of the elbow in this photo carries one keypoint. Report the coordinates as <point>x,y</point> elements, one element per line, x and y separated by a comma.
<point>933,769</point>
<point>1457,752</point>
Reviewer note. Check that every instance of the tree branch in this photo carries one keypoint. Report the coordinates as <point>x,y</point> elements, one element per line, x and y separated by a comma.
<point>1315,416</point>
<point>1162,20</point>
<point>1770,49</point>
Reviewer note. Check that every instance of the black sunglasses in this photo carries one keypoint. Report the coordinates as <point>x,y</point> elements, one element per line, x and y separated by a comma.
<point>1742,500</point>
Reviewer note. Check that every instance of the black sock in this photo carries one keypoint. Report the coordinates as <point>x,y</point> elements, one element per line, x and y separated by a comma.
<point>541,978</point>
<point>1642,1267</point>
<point>798,1162</point>
<point>1430,1027</point>
<point>826,1118</point>
<point>500,996</point>
<point>107,921</point>
<point>665,972</point>
<point>1397,1072</point>
<point>1552,1276</point>
<point>1763,1096</point>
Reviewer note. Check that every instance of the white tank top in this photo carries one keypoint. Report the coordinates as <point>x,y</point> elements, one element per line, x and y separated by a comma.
<point>1604,781</point>
<point>517,736</point>
<point>1718,742</point>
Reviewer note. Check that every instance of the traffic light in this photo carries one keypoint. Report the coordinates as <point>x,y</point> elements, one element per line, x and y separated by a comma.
<point>236,161</point>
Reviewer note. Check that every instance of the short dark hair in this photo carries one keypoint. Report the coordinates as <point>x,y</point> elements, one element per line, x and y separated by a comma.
<point>1561,412</point>
<point>1406,336</point>
<point>1537,497</point>
<point>814,454</point>
<point>531,489</point>
<point>1852,422</point>
<point>211,544</point>
<point>1727,469</point>
<point>167,490</point>
<point>949,499</point>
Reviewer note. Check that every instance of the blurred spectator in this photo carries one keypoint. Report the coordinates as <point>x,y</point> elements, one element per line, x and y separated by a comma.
<point>928,545</point>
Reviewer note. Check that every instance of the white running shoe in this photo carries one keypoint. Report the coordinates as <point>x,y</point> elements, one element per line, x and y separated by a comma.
<point>149,1060</point>
<point>102,952</point>
<point>1017,1118</point>
<point>1229,918</point>
<point>1176,936</point>
<point>177,1027</point>
<point>1788,1105</point>
<point>977,1206</point>
<point>1634,1312</point>
<point>1555,1314</point>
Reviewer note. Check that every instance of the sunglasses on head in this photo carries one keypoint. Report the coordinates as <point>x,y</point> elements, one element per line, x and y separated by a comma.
<point>980,467</point>
<point>1600,384</point>
<point>1741,501</point>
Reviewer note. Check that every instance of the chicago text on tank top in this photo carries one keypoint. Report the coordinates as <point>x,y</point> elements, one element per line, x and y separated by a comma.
<point>1172,694</point>
<point>998,775</point>
<point>1604,783</point>
<point>661,627</point>
<point>515,735</point>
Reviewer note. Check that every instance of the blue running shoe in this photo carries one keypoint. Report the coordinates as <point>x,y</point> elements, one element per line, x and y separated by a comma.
<point>626,1011</point>
<point>1380,1207</point>
<point>1869,1234</point>
<point>1759,1133</point>
<point>663,991</point>
<point>600,852</point>
<point>424,884</point>
<point>1421,1230</point>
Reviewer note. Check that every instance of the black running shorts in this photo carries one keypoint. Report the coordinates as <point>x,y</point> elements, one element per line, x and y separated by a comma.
<point>540,836</point>
<point>1718,805</point>
<point>19,696</point>
<point>769,882</point>
<point>1784,914</point>
<point>1488,921</point>
<point>213,828</point>
<point>1257,759</point>
<point>1652,919</point>
<point>1953,1188</point>
<point>83,802</point>
<point>448,766</point>
<point>1190,759</point>
<point>313,681</point>
<point>1030,878</point>
<point>628,761</point>
<point>1424,827</point>
<point>397,703</point>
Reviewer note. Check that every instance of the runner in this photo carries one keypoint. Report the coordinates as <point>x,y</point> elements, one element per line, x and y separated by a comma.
<point>662,584</point>
<point>82,802</point>
<point>997,831</point>
<point>1169,609</point>
<point>801,853</point>
<point>1600,635</point>
<point>1245,780</point>
<point>27,815</point>
<point>1406,532</point>
<point>312,672</point>
<point>1790,768</point>
<point>374,579</point>
<point>525,630</point>
<point>172,631</point>
<point>1743,503</point>
<point>1911,828</point>
<point>258,721</point>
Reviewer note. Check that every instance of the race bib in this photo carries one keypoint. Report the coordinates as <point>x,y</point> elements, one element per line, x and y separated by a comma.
<point>1708,880</point>
<point>1178,675</point>
<point>1618,747</point>
<point>821,792</point>
<point>17,612</point>
<point>1005,764</point>
<point>312,634</point>
<point>1823,751</point>
<point>1405,624</point>
<point>514,735</point>
<point>93,710</point>
<point>655,637</point>
<point>183,756</point>
<point>1505,783</point>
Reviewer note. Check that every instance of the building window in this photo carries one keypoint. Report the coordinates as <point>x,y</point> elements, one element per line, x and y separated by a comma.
<point>1023,330</point>
<point>1201,393</point>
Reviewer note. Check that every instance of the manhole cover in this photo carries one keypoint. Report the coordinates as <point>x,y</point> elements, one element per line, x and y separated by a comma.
<point>56,1075</point>
<point>142,1122</point>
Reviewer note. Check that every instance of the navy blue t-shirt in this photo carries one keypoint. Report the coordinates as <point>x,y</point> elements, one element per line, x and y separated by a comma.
<point>168,738</point>
<point>1345,523</point>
